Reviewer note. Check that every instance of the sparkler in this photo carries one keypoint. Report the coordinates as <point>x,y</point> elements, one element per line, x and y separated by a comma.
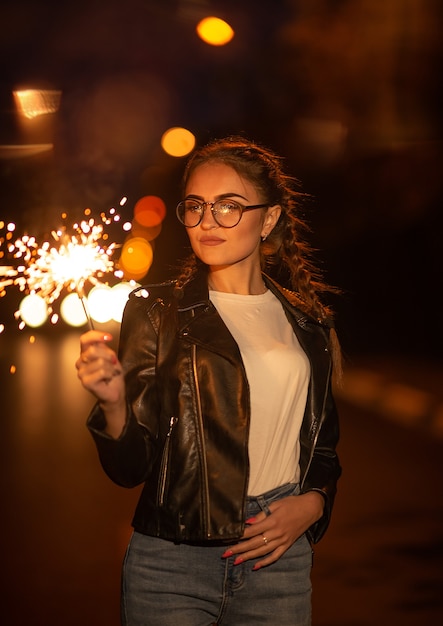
<point>7,272</point>
<point>68,261</point>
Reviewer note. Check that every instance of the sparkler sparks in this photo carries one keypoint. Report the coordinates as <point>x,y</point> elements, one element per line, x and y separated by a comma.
<point>7,272</point>
<point>49,268</point>
<point>67,262</point>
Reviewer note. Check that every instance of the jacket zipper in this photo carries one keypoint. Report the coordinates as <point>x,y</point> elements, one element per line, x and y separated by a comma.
<point>202,442</point>
<point>165,460</point>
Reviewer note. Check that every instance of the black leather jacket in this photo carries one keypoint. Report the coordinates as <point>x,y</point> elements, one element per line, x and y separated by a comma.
<point>186,435</point>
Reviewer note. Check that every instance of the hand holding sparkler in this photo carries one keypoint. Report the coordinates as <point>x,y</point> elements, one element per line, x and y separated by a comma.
<point>100,372</point>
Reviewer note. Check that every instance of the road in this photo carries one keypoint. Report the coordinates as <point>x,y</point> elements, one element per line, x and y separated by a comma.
<point>381,563</point>
<point>65,525</point>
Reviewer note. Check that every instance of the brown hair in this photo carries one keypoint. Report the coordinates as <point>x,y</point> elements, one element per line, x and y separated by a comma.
<point>285,249</point>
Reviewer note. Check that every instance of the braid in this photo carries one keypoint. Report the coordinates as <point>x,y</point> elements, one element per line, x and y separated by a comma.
<point>296,254</point>
<point>285,248</point>
<point>187,271</point>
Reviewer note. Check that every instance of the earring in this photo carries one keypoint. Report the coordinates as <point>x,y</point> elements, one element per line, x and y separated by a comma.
<point>263,237</point>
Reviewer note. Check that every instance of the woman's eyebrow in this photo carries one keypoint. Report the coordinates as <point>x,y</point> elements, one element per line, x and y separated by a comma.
<point>221,196</point>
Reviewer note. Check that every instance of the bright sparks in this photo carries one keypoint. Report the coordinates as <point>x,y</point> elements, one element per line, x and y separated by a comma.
<point>70,264</point>
<point>67,262</point>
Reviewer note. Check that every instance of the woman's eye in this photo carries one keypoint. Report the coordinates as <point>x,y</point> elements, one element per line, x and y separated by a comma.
<point>227,207</point>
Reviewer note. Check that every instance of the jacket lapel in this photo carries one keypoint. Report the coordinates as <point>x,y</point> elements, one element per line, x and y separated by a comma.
<point>200,323</point>
<point>204,327</point>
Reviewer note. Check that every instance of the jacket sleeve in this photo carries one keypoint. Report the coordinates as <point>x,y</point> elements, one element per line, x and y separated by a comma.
<point>324,468</point>
<point>128,459</point>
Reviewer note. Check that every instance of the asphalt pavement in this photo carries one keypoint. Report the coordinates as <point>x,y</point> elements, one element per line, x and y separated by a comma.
<point>65,526</point>
<point>402,389</point>
<point>381,562</point>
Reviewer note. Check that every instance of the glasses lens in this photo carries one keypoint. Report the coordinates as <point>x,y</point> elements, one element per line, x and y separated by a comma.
<point>227,213</point>
<point>189,213</point>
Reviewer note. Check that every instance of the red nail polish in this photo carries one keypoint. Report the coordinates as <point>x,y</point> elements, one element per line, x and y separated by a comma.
<point>226,554</point>
<point>251,520</point>
<point>238,560</point>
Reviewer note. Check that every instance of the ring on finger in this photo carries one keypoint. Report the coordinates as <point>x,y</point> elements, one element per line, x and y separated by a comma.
<point>265,539</point>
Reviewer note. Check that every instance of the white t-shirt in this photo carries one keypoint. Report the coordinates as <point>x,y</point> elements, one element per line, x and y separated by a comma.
<point>278,373</point>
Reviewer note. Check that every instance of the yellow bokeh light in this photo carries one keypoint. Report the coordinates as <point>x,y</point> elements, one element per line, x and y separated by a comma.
<point>72,311</point>
<point>215,31</point>
<point>120,294</point>
<point>34,102</point>
<point>178,142</point>
<point>100,303</point>
<point>136,257</point>
<point>33,310</point>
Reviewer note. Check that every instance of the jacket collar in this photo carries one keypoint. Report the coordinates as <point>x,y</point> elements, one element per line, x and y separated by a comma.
<point>194,303</point>
<point>195,293</point>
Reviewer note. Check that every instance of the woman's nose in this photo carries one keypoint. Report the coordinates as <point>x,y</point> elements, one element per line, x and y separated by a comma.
<point>208,220</point>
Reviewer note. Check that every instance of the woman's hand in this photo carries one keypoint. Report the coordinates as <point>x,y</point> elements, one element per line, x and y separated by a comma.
<point>100,372</point>
<point>269,536</point>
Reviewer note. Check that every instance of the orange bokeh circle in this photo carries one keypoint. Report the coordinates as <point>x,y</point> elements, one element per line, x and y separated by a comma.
<point>150,211</point>
<point>136,256</point>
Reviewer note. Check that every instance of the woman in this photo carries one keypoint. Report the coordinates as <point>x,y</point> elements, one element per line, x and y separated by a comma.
<point>220,403</point>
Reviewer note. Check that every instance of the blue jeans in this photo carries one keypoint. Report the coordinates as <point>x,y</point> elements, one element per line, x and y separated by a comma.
<point>168,584</point>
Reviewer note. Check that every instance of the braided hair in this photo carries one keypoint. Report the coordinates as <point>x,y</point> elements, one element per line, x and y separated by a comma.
<point>285,249</point>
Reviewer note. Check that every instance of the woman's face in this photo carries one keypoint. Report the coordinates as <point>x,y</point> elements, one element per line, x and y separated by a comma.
<point>217,246</point>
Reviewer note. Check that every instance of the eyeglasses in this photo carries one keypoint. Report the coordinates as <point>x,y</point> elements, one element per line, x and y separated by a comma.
<point>226,213</point>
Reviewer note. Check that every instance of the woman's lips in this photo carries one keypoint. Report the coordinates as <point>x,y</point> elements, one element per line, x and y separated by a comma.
<point>211,241</point>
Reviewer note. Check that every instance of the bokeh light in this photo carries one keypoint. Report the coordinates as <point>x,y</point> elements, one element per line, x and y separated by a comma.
<point>146,233</point>
<point>72,311</point>
<point>100,303</point>
<point>34,102</point>
<point>149,211</point>
<point>215,31</point>
<point>178,142</point>
<point>120,294</point>
<point>33,310</point>
<point>136,257</point>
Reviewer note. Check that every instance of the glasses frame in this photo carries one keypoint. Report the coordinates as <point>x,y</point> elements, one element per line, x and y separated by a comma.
<point>203,205</point>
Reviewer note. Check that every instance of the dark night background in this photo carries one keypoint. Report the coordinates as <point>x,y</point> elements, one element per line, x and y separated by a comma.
<point>349,92</point>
